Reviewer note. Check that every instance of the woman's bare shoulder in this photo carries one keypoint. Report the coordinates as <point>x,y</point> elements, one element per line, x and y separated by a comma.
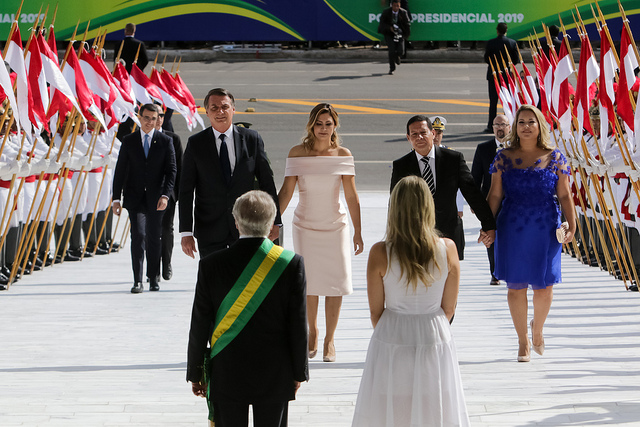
<point>298,151</point>
<point>344,151</point>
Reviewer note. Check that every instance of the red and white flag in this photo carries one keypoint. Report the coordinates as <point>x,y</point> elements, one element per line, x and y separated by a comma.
<point>588,72</point>
<point>39,95</point>
<point>6,89</point>
<point>560,91</point>
<point>15,59</point>
<point>146,92</point>
<point>75,77</point>
<point>530,85</point>
<point>628,63</point>
<point>96,79</point>
<point>507,101</point>
<point>606,93</point>
<point>169,100</point>
<point>192,102</point>
<point>544,69</point>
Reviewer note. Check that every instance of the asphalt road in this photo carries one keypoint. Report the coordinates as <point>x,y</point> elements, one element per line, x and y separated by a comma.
<point>373,106</point>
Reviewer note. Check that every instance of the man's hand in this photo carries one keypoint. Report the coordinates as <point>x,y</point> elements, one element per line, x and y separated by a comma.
<point>117,209</point>
<point>189,246</point>
<point>199,389</point>
<point>163,201</point>
<point>487,237</point>
<point>274,233</point>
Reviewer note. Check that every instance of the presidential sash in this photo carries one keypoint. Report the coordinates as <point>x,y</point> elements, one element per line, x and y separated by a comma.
<point>244,298</point>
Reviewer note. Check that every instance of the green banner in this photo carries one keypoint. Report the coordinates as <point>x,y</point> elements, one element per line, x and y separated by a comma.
<point>287,20</point>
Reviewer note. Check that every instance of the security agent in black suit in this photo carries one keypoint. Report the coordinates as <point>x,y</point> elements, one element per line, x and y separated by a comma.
<point>130,47</point>
<point>169,213</point>
<point>395,26</point>
<point>265,363</point>
<point>494,48</point>
<point>482,160</point>
<point>146,173</point>
<point>451,174</point>
<point>219,165</point>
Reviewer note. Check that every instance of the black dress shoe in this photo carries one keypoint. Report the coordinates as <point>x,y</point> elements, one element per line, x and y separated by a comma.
<point>3,287</point>
<point>5,270</point>
<point>153,286</point>
<point>100,251</point>
<point>494,281</point>
<point>137,288</point>
<point>49,261</point>
<point>71,257</point>
<point>4,280</point>
<point>167,272</point>
<point>633,288</point>
<point>390,73</point>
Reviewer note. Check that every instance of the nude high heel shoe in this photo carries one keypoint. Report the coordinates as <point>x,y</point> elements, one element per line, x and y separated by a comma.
<point>537,348</point>
<point>526,357</point>
<point>329,352</point>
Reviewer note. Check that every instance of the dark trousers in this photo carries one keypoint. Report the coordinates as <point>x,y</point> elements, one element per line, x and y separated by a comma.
<point>490,255</point>
<point>396,50</point>
<point>268,414</point>
<point>167,233</point>
<point>146,231</point>
<point>493,102</point>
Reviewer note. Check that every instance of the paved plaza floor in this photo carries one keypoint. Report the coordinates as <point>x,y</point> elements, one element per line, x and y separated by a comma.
<point>77,349</point>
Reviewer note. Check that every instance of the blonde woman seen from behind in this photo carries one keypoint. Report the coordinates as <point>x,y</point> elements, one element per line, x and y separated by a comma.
<point>319,167</point>
<point>411,376</point>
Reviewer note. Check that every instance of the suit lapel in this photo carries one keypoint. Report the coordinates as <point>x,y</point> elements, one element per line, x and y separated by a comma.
<point>440,178</point>
<point>240,148</point>
<point>213,154</point>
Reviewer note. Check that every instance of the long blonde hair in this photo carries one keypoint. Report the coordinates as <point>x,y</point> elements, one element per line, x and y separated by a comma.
<point>310,137</point>
<point>411,235</point>
<point>544,137</point>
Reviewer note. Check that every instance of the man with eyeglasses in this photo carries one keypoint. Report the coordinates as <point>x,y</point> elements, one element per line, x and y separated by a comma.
<point>485,152</point>
<point>220,164</point>
<point>145,173</point>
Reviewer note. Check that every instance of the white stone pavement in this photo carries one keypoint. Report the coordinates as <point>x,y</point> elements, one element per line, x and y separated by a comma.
<point>77,349</point>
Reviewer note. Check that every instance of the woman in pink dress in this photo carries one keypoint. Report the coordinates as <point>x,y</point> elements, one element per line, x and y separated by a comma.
<point>320,166</point>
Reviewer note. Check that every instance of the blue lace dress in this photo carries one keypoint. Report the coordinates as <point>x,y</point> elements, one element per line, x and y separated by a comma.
<point>527,252</point>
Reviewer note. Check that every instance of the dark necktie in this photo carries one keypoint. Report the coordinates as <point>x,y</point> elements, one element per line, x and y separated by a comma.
<point>146,146</point>
<point>428,176</point>
<point>225,165</point>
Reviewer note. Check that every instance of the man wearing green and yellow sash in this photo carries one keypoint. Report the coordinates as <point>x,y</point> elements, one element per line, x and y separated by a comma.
<point>250,308</point>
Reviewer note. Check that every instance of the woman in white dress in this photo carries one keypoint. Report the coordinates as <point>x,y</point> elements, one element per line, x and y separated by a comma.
<point>320,166</point>
<point>411,376</point>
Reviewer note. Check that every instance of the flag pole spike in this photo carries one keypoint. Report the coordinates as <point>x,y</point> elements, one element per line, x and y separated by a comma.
<point>44,18</point>
<point>625,22</point>
<point>179,62</point>
<point>605,27</point>
<point>155,61</point>
<point>55,14</point>
<point>14,25</point>
<point>565,40</point>
<point>84,39</point>
<point>164,60</point>
<point>174,64</point>
<point>119,53</point>
<point>69,47</point>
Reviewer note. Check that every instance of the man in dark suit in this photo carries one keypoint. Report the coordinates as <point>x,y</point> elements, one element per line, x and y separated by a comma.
<point>264,363</point>
<point>482,160</point>
<point>493,49</point>
<point>146,173</point>
<point>169,213</point>
<point>395,26</point>
<point>451,173</point>
<point>130,47</point>
<point>220,164</point>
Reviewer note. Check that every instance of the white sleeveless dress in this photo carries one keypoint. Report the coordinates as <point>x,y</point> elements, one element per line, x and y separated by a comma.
<point>320,225</point>
<point>411,376</point>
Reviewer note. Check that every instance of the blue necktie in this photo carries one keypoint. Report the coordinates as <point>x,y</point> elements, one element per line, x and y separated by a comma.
<point>146,146</point>
<point>225,164</point>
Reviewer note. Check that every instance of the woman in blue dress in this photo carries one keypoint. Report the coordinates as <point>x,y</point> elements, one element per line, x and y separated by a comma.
<point>529,187</point>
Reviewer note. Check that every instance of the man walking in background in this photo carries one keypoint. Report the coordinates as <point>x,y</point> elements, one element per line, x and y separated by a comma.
<point>494,48</point>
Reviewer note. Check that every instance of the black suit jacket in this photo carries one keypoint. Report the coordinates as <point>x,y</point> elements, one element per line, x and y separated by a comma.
<point>178,150</point>
<point>495,47</point>
<point>265,358</point>
<point>485,153</point>
<point>144,180</point>
<point>386,23</point>
<point>202,177</point>
<point>452,174</point>
<point>129,50</point>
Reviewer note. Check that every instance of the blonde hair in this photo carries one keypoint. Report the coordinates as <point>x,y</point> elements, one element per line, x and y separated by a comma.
<point>310,137</point>
<point>411,235</point>
<point>544,137</point>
